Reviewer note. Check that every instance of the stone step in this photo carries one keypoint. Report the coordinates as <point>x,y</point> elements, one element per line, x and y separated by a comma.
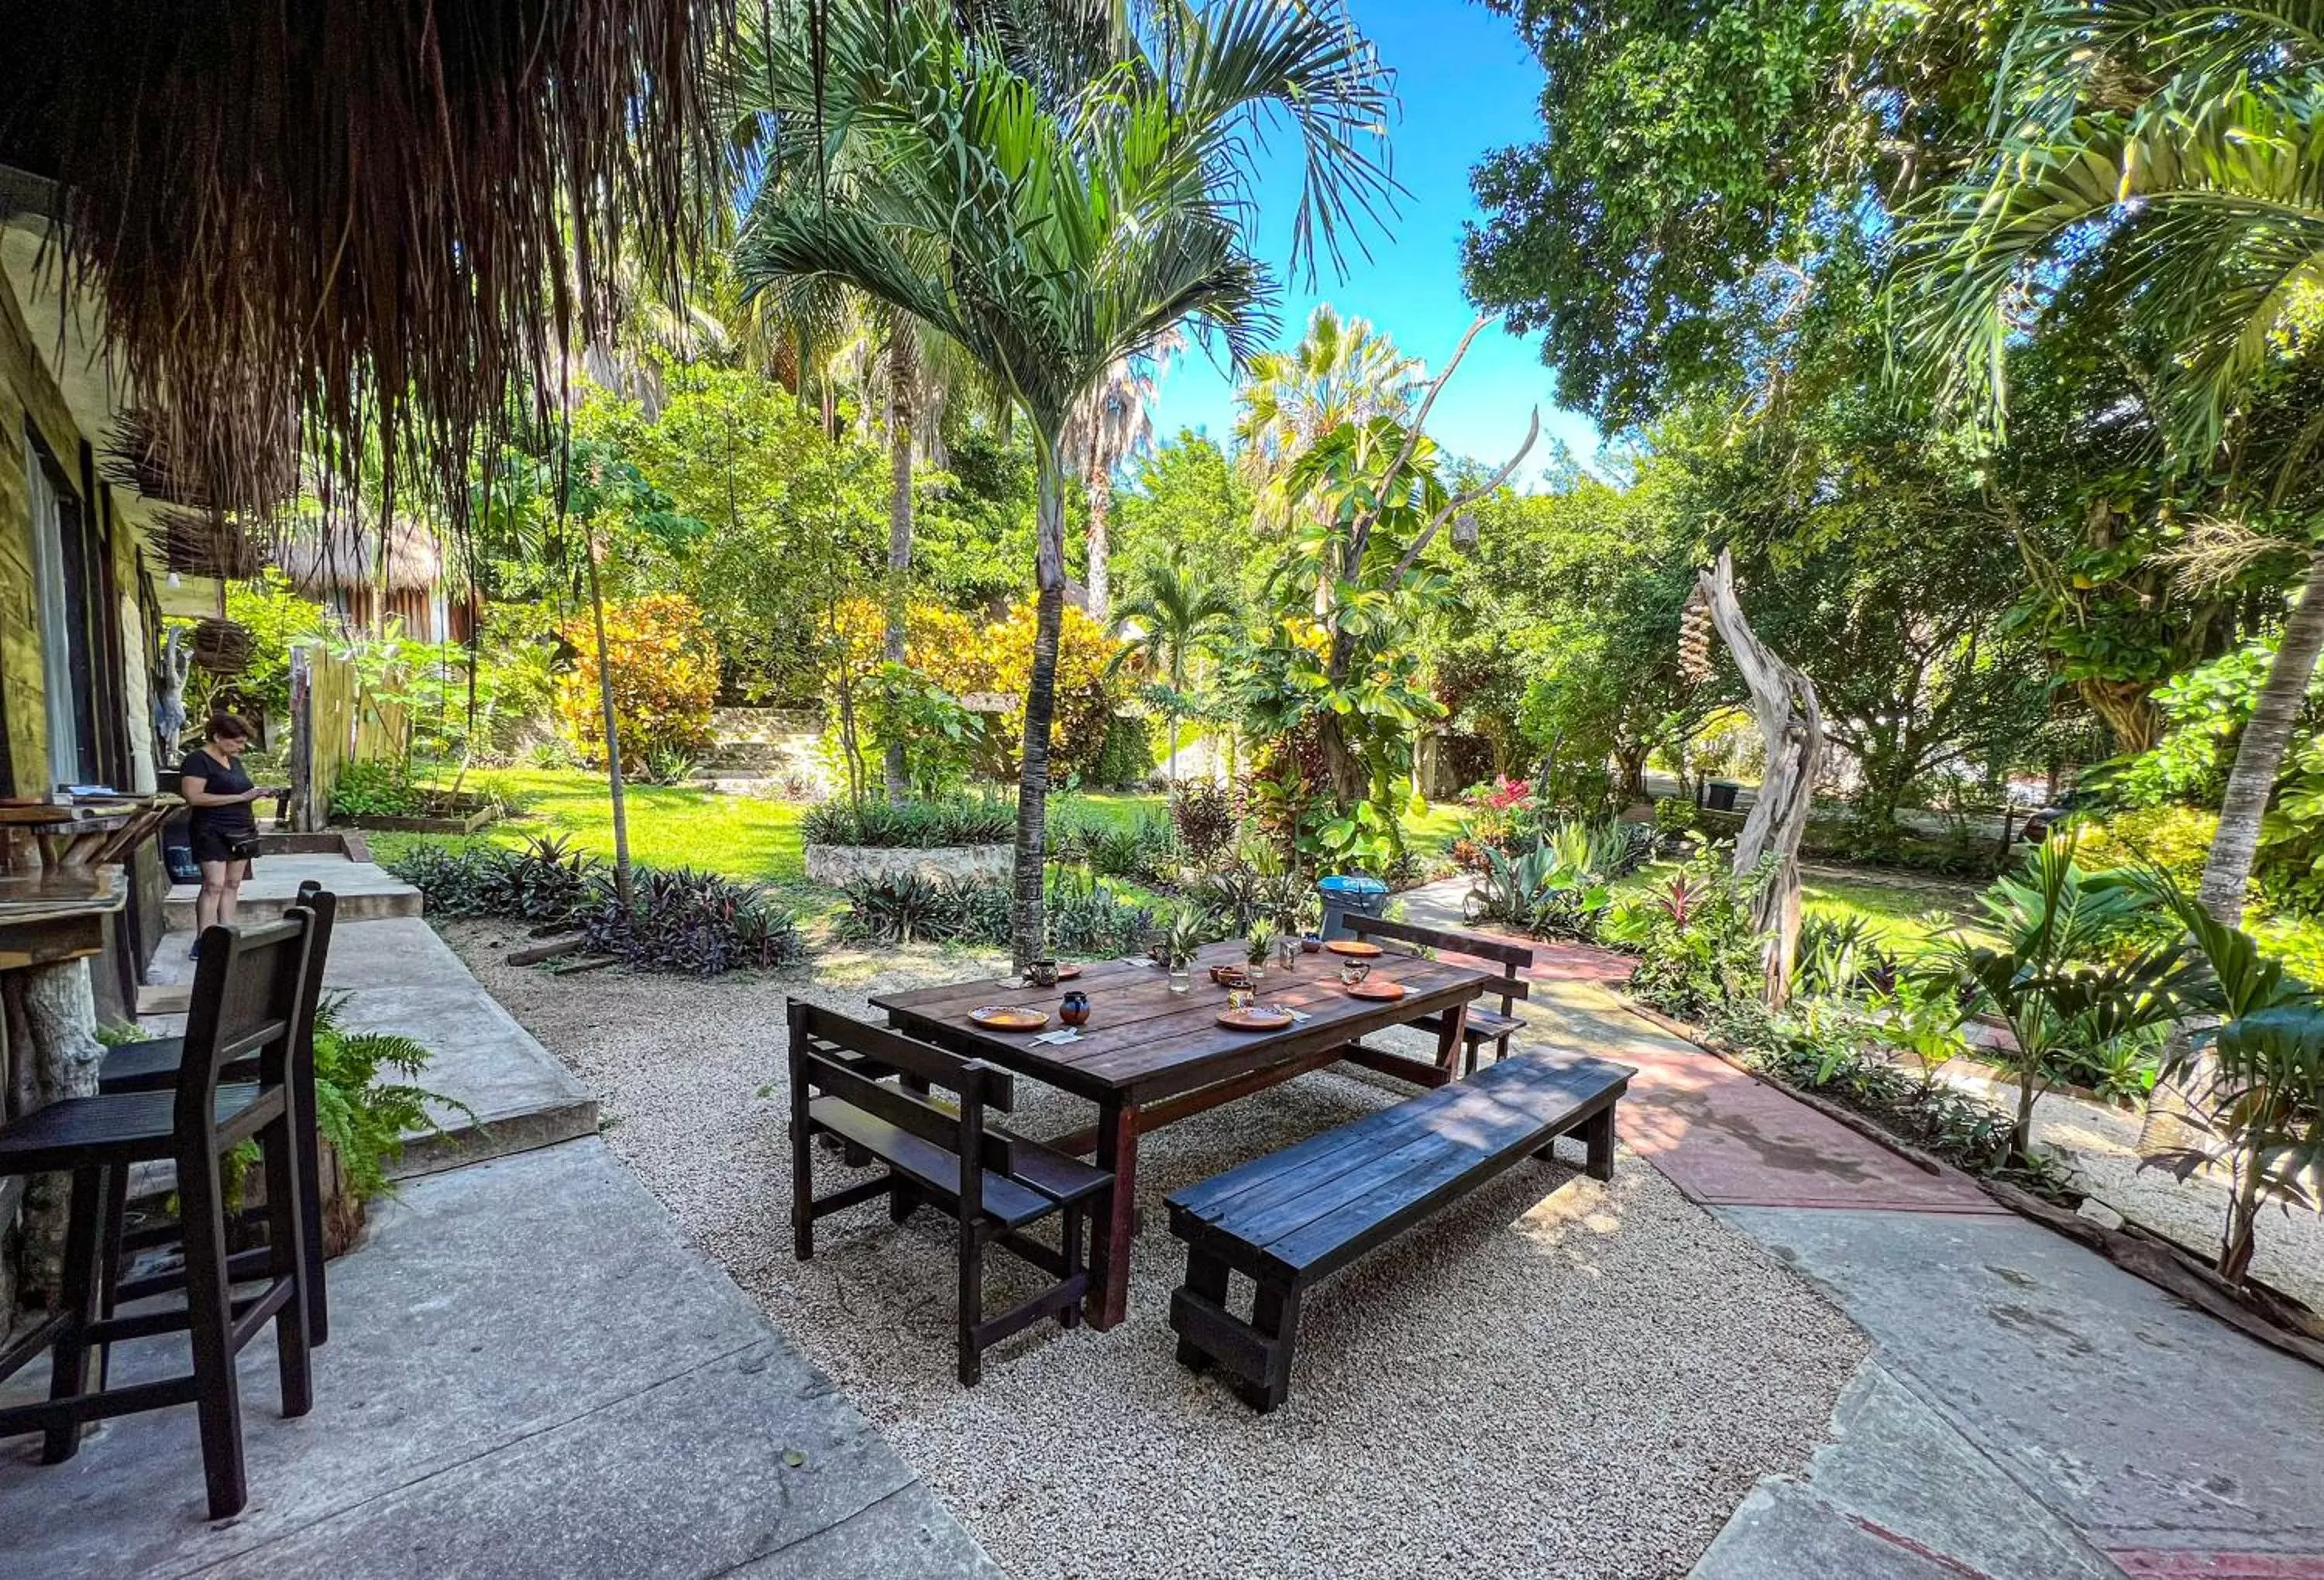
<point>366,892</point>
<point>398,976</point>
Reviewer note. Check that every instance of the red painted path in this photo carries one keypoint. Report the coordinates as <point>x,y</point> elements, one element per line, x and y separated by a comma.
<point>1723,1137</point>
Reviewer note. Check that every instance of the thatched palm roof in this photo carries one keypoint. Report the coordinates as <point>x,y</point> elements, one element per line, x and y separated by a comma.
<point>320,554</point>
<point>348,207</point>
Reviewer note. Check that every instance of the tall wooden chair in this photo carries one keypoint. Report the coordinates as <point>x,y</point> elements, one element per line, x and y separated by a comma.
<point>152,1066</point>
<point>993,1184</point>
<point>1483,1026</point>
<point>247,992</point>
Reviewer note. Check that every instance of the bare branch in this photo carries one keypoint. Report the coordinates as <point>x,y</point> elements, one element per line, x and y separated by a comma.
<point>1412,554</point>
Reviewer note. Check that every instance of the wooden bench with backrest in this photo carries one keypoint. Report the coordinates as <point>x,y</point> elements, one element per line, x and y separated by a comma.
<point>1483,1025</point>
<point>1292,1219</point>
<point>944,1154</point>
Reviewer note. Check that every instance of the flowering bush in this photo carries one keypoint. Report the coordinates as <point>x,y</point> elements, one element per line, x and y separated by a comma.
<point>665,680</point>
<point>1506,793</point>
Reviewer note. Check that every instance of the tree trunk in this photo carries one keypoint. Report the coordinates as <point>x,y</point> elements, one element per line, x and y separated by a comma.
<point>56,1008</point>
<point>1791,725</point>
<point>900,374</point>
<point>2227,873</point>
<point>612,726</point>
<point>1101,510</point>
<point>1028,934</point>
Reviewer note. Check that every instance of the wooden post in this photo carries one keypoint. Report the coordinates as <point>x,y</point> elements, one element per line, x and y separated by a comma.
<point>1791,725</point>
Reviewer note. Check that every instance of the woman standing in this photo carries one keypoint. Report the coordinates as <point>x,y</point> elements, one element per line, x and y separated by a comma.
<point>225,830</point>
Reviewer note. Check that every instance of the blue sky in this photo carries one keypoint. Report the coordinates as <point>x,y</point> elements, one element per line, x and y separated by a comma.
<point>1467,84</point>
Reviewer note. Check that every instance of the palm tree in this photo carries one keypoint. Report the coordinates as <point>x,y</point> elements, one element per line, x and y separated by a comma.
<point>1114,423</point>
<point>1175,611</point>
<point>1053,223</point>
<point>2165,157</point>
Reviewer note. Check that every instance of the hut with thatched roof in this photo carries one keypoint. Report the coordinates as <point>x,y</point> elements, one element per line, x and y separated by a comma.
<point>342,565</point>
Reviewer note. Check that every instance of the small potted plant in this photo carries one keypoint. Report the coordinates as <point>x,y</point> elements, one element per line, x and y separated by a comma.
<point>1262,942</point>
<point>1179,942</point>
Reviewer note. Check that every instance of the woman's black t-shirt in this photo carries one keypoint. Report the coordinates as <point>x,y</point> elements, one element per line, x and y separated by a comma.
<point>232,822</point>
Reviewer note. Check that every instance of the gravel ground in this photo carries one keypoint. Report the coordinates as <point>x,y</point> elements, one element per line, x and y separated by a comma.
<point>1559,1378</point>
<point>2100,1146</point>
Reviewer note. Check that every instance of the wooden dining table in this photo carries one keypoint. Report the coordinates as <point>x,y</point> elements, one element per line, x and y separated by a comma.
<point>1149,1057</point>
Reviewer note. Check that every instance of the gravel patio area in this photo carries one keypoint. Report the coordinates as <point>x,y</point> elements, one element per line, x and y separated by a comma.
<point>1557,1378</point>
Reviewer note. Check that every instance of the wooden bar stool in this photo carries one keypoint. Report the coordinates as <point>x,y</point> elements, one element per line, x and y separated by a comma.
<point>247,991</point>
<point>152,1066</point>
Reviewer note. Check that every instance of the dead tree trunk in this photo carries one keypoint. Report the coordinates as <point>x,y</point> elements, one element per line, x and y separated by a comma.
<point>1791,725</point>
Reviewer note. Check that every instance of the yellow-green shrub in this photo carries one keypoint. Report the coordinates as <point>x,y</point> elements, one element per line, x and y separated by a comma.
<point>2176,839</point>
<point>665,680</point>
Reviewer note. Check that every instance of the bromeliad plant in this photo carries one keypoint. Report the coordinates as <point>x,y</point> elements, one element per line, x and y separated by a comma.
<point>2064,960</point>
<point>2257,1076</point>
<point>1560,887</point>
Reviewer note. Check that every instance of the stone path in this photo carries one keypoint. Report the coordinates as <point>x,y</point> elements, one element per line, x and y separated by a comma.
<point>2030,1411</point>
<point>531,1374</point>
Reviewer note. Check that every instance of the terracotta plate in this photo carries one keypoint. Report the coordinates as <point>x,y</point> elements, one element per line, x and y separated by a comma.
<point>1353,947</point>
<point>1002,1017</point>
<point>1385,992</point>
<point>1255,1020</point>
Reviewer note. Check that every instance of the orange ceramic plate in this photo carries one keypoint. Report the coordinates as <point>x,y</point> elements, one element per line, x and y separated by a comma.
<point>1353,947</point>
<point>1385,992</point>
<point>1002,1017</point>
<point>1255,1020</point>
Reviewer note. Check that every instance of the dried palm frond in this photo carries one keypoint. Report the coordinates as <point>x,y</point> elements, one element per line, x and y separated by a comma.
<point>194,544</point>
<point>2217,551</point>
<point>372,212</point>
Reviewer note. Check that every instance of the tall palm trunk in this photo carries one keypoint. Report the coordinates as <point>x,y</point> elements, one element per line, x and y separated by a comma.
<point>901,373</point>
<point>2228,872</point>
<point>1100,511</point>
<point>613,728</point>
<point>1028,932</point>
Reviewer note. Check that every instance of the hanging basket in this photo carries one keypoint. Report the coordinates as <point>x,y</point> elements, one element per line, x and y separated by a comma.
<point>221,646</point>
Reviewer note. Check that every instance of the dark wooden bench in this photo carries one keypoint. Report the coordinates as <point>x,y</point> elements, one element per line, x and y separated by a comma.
<point>1483,1026</point>
<point>1292,1219</point>
<point>993,1184</point>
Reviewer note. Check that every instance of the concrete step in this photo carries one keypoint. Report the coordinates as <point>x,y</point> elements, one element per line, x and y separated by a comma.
<point>508,1093</point>
<point>366,892</point>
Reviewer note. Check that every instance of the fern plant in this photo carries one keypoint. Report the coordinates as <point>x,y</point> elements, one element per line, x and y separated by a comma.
<point>364,1117</point>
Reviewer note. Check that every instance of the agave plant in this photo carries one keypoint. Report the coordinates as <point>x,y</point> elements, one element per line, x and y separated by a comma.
<point>2066,971</point>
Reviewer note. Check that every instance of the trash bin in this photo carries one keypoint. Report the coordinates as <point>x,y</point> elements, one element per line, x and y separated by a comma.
<point>1343,894</point>
<point>1720,796</point>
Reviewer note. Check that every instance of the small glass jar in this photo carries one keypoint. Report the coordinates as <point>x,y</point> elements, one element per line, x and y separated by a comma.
<point>1287,952</point>
<point>1181,977</point>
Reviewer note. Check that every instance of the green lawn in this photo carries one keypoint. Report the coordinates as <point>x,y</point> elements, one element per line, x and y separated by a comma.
<point>670,825</point>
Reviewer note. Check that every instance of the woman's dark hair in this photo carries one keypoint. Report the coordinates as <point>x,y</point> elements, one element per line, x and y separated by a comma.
<point>229,726</point>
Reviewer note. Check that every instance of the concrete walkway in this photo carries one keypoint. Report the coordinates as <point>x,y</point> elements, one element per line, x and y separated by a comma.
<point>2030,1411</point>
<point>530,1373</point>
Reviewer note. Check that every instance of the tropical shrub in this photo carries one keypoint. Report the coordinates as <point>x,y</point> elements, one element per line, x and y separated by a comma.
<point>1838,956</point>
<point>909,825</point>
<point>1559,886</point>
<point>378,788</point>
<point>906,908</point>
<point>2257,1076</point>
<point>545,881</point>
<point>695,923</point>
<point>665,676</point>
<point>1203,816</point>
<point>1698,955</point>
<point>1125,757</point>
<point>2175,839</point>
<point>2062,956</point>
